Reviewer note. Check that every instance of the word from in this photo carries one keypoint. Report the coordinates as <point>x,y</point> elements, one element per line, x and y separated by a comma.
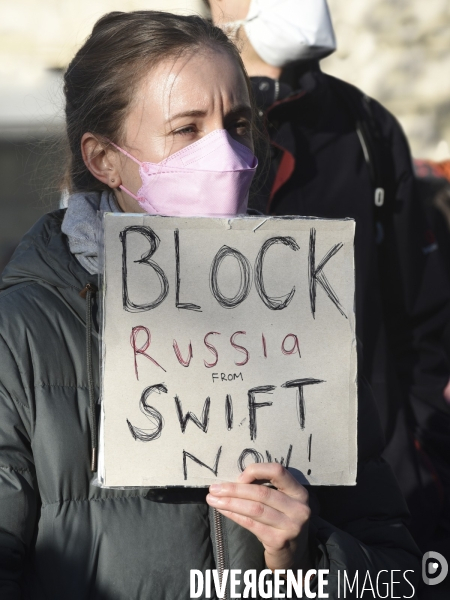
<point>226,377</point>
<point>290,345</point>
<point>366,585</point>
<point>257,586</point>
<point>316,274</point>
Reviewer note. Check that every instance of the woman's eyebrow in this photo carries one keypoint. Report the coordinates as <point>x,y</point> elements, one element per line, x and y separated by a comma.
<point>241,109</point>
<point>187,113</point>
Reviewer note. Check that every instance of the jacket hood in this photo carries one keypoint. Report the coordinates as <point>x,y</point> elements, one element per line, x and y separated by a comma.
<point>43,257</point>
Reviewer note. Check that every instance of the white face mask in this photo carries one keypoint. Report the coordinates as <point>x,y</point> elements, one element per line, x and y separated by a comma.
<point>285,31</point>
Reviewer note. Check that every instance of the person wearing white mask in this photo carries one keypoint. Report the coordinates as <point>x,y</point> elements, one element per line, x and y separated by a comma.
<point>337,153</point>
<point>282,32</point>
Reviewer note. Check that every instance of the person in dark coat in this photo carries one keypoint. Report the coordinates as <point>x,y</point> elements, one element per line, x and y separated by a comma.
<point>337,153</point>
<point>62,536</point>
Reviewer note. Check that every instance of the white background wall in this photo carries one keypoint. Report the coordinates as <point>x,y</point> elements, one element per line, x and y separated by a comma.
<point>39,36</point>
<point>396,50</point>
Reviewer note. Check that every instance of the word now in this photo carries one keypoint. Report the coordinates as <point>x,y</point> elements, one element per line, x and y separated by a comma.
<point>246,276</point>
<point>247,453</point>
<point>289,345</point>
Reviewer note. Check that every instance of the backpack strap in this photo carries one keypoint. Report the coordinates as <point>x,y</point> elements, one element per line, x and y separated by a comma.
<point>360,107</point>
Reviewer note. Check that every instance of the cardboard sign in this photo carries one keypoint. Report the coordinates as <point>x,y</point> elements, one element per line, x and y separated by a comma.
<point>226,342</point>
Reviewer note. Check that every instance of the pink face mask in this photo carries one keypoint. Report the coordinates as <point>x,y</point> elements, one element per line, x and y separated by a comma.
<point>210,177</point>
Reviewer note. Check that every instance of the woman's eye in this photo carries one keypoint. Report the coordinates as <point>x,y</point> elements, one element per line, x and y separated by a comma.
<point>185,130</point>
<point>242,127</point>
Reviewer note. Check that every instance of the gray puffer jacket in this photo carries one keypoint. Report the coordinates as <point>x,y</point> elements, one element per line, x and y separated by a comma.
<point>63,538</point>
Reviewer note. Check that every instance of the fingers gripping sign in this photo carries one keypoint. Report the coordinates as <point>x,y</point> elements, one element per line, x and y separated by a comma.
<point>278,517</point>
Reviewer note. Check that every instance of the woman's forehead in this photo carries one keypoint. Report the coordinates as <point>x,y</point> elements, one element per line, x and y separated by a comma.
<point>206,80</point>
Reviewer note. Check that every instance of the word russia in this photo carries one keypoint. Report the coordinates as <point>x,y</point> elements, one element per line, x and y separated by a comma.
<point>213,332</point>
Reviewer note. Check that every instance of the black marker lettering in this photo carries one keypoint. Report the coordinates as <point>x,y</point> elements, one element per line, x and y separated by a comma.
<point>257,458</point>
<point>153,415</point>
<point>252,406</point>
<point>214,469</point>
<point>316,274</point>
<point>203,424</point>
<point>274,302</point>
<point>229,412</point>
<point>245,273</point>
<point>301,408</point>
<point>281,461</point>
<point>185,305</point>
<point>153,240</point>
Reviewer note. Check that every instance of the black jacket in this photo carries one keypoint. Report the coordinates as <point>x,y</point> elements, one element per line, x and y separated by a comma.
<point>318,168</point>
<point>61,537</point>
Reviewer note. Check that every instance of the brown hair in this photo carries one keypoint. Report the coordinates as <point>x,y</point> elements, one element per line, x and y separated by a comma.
<point>100,81</point>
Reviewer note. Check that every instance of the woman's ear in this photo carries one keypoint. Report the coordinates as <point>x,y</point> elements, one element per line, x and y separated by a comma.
<point>102,162</point>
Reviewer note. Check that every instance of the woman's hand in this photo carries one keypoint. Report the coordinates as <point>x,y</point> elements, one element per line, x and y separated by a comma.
<point>278,517</point>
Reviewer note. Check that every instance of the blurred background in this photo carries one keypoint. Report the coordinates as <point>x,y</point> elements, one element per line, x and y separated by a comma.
<point>397,52</point>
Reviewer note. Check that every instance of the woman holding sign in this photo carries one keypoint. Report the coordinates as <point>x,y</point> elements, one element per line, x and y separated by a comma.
<point>149,87</point>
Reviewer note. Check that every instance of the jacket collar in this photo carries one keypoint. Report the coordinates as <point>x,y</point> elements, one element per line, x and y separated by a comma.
<point>303,95</point>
